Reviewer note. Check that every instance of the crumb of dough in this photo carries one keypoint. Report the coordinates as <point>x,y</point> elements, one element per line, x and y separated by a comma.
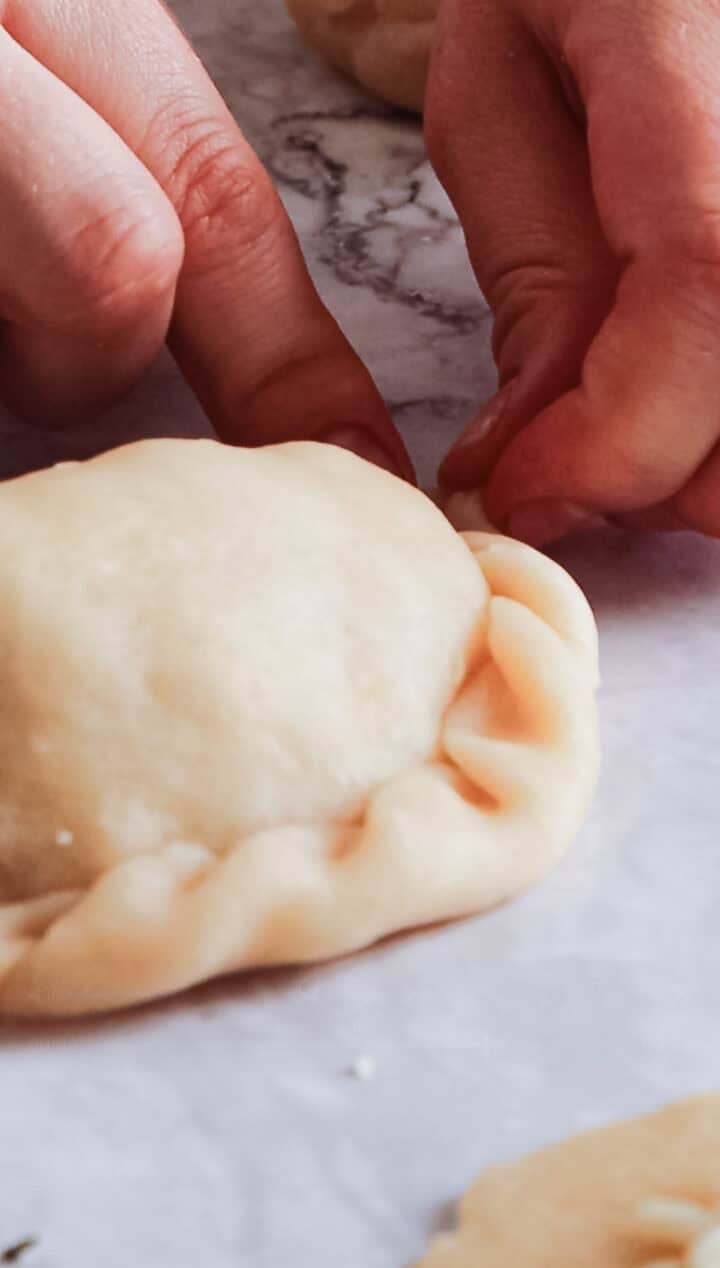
<point>363,1068</point>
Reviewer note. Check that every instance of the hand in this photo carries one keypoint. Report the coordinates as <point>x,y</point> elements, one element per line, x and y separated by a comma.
<point>132,208</point>
<point>580,143</point>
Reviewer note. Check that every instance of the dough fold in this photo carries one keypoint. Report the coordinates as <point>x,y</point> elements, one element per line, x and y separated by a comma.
<point>266,707</point>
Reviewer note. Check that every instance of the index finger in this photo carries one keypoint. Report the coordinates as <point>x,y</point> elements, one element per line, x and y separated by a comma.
<point>250,332</point>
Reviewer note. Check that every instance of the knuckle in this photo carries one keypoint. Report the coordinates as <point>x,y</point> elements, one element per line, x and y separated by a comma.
<point>533,300</point>
<point>218,188</point>
<point>120,266</point>
<point>518,289</point>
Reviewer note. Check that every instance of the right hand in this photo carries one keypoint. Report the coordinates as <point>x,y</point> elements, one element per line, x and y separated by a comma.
<point>131,209</point>
<point>580,143</point>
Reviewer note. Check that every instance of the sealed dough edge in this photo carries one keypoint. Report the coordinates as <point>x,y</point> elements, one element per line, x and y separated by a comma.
<point>640,1193</point>
<point>489,811</point>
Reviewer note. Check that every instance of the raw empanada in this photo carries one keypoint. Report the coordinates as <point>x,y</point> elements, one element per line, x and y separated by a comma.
<point>384,44</point>
<point>639,1194</point>
<point>266,706</point>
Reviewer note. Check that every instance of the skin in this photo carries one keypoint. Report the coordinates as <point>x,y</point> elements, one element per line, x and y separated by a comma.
<point>133,210</point>
<point>580,143</point>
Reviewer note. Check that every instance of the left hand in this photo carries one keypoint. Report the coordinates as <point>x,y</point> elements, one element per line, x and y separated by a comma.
<point>132,209</point>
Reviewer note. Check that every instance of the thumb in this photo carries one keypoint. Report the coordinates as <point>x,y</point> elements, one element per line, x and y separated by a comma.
<point>509,151</point>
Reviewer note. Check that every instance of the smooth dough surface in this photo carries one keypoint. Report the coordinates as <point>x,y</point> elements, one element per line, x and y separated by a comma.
<point>384,44</point>
<point>584,1203</point>
<point>265,707</point>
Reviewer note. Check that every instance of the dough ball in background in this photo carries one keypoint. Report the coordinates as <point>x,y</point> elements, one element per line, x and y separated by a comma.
<point>266,706</point>
<point>383,44</point>
<point>644,1193</point>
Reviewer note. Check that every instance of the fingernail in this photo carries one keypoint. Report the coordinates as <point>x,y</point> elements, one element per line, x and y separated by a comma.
<point>363,443</point>
<point>482,441</point>
<point>544,522</point>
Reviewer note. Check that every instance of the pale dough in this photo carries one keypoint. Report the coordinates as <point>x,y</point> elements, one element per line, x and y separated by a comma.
<point>266,706</point>
<point>384,44</point>
<point>639,1194</point>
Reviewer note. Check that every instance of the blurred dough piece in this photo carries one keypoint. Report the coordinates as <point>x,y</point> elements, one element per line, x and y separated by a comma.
<point>640,1194</point>
<point>266,706</point>
<point>383,44</point>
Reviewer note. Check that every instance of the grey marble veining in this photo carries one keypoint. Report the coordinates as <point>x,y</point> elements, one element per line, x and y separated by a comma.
<point>223,1129</point>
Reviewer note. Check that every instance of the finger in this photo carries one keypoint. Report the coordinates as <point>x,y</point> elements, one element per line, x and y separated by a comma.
<point>645,416</point>
<point>697,505</point>
<point>656,519</point>
<point>90,249</point>
<point>512,157</point>
<point>250,332</point>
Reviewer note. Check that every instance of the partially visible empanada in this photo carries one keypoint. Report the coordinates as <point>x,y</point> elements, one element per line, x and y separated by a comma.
<point>266,706</point>
<point>640,1194</point>
<point>384,44</point>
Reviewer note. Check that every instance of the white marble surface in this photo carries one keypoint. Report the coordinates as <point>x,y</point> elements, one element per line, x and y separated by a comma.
<point>222,1129</point>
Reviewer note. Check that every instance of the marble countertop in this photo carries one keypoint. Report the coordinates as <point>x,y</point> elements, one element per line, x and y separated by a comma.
<point>226,1128</point>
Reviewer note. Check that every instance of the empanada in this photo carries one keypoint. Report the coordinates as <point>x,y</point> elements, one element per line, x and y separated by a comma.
<point>640,1194</point>
<point>266,706</point>
<point>384,44</point>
